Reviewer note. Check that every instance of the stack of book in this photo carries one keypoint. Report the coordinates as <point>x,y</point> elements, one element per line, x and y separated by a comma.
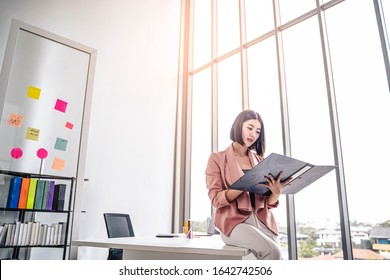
<point>32,234</point>
<point>32,193</point>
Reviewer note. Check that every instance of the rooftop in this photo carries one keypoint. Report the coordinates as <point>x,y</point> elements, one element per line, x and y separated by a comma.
<point>380,232</point>
<point>361,254</point>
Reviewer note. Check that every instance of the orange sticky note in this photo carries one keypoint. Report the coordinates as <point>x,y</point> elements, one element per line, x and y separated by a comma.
<point>58,164</point>
<point>34,92</point>
<point>15,120</point>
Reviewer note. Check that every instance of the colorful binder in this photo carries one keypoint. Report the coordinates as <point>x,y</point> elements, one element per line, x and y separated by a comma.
<point>59,197</point>
<point>39,194</point>
<point>14,192</point>
<point>31,193</point>
<point>45,195</point>
<point>24,193</point>
<point>50,196</point>
<point>4,189</point>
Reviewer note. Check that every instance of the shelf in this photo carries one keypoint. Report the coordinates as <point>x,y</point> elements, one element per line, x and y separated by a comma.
<point>35,246</point>
<point>26,216</point>
<point>34,210</point>
<point>35,175</point>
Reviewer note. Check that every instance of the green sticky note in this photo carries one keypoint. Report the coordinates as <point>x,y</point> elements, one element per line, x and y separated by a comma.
<point>61,144</point>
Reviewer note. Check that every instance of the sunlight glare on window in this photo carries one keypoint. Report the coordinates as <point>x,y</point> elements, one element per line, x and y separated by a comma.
<point>202,32</point>
<point>259,18</point>
<point>200,145</point>
<point>228,26</point>
<point>229,97</point>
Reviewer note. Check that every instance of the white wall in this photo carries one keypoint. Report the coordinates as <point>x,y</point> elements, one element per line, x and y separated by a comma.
<point>131,137</point>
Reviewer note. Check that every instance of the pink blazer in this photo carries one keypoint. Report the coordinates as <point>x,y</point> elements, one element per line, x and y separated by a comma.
<point>221,172</point>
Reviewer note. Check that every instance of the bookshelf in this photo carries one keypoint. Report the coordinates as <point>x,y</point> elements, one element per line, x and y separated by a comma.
<point>42,223</point>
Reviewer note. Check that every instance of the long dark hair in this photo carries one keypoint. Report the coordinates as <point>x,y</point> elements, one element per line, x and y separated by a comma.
<point>236,131</point>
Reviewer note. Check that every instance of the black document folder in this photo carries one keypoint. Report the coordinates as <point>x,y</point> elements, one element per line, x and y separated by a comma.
<point>302,174</point>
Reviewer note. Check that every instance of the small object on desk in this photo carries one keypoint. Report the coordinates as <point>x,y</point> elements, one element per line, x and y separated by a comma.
<point>186,226</point>
<point>167,235</point>
<point>188,229</point>
<point>189,234</point>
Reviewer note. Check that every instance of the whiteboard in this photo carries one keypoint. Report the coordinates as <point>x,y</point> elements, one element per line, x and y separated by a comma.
<point>42,104</point>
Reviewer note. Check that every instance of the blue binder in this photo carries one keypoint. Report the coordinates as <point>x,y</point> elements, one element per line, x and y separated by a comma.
<point>14,192</point>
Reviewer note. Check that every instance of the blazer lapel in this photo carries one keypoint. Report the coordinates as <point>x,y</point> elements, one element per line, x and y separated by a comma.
<point>234,169</point>
<point>235,172</point>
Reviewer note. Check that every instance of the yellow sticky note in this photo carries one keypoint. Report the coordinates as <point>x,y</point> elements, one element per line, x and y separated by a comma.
<point>32,133</point>
<point>58,164</point>
<point>33,92</point>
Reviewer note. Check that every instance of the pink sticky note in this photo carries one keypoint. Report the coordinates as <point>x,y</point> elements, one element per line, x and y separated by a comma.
<point>16,153</point>
<point>61,105</point>
<point>69,125</point>
<point>42,153</point>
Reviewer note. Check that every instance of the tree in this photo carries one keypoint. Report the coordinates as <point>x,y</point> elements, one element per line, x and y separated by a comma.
<point>385,224</point>
<point>364,244</point>
<point>310,231</point>
<point>306,248</point>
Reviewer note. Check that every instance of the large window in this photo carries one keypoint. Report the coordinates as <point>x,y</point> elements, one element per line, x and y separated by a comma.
<point>318,79</point>
<point>363,99</point>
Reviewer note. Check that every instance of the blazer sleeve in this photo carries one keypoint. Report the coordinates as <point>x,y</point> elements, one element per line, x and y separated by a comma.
<point>215,186</point>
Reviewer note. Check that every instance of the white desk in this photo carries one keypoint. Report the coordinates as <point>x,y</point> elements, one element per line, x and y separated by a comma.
<point>178,248</point>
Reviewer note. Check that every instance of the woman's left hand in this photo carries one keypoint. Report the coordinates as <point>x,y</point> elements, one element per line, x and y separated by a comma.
<point>276,184</point>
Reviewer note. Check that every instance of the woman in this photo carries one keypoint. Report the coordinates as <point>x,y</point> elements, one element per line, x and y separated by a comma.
<point>244,219</point>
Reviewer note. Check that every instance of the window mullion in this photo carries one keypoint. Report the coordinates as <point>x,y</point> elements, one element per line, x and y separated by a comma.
<point>244,57</point>
<point>290,204</point>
